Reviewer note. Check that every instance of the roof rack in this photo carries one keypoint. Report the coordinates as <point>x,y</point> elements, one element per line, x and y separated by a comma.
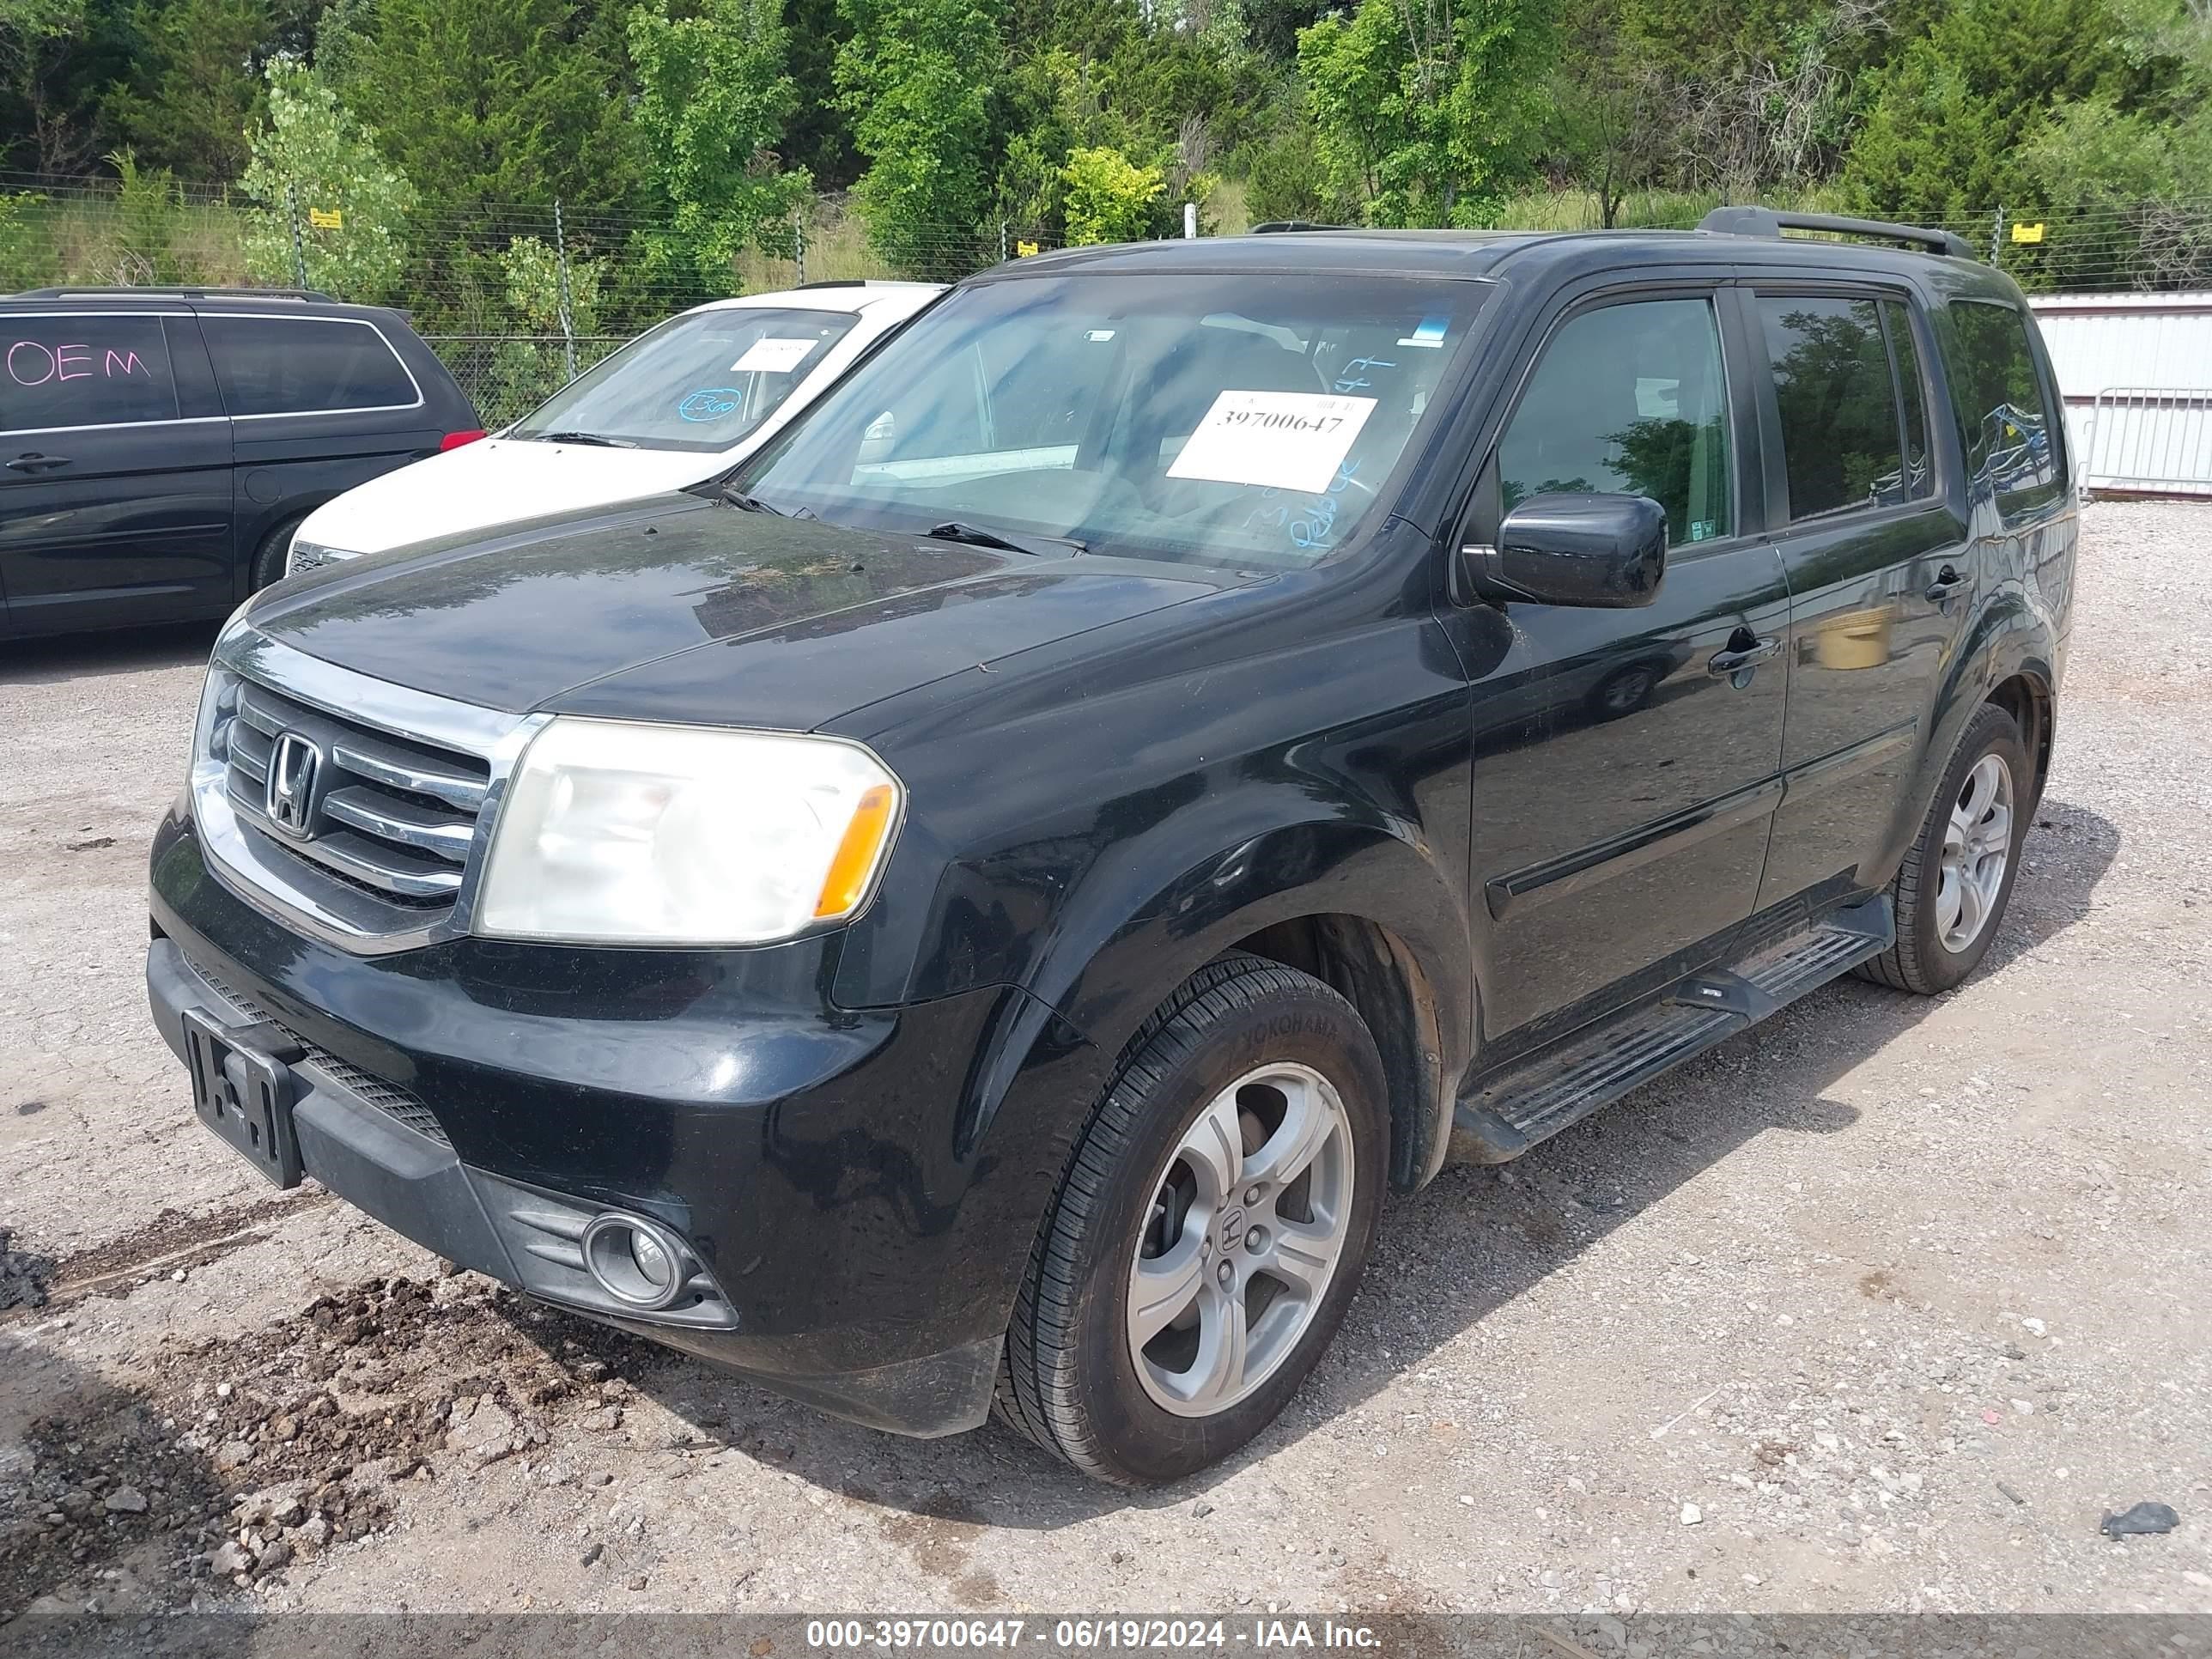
<point>153,291</point>
<point>1765,222</point>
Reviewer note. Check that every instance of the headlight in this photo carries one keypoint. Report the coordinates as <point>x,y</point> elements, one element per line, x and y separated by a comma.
<point>617,833</point>
<point>312,555</point>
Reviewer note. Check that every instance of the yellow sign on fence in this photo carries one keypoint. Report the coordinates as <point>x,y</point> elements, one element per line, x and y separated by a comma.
<point>2028,233</point>
<point>332,219</point>
<point>1023,250</point>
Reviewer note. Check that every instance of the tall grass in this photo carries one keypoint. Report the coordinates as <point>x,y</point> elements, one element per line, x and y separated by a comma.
<point>1645,210</point>
<point>83,239</point>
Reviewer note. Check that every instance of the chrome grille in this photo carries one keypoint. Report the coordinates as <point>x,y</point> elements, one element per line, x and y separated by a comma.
<point>391,817</point>
<point>389,1098</point>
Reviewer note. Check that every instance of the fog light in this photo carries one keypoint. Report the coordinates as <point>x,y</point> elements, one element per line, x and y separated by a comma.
<point>653,1263</point>
<point>634,1261</point>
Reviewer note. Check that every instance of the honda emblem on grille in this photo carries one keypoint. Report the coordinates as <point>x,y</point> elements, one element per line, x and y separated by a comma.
<point>293,763</point>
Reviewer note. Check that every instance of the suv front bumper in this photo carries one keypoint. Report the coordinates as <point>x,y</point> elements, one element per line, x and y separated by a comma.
<point>485,1099</point>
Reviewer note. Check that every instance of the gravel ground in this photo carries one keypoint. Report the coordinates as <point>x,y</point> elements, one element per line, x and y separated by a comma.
<point>1881,1305</point>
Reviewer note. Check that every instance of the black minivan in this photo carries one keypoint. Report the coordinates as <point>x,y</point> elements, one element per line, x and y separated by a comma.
<point>158,446</point>
<point>974,913</point>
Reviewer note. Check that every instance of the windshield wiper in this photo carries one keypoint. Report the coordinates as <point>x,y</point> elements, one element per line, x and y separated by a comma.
<point>975,535</point>
<point>745,503</point>
<point>600,438</point>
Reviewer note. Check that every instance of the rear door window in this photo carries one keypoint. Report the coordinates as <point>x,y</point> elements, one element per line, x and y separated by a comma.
<point>1838,397</point>
<point>304,365</point>
<point>1997,394</point>
<point>1629,399</point>
<point>1919,469</point>
<point>85,369</point>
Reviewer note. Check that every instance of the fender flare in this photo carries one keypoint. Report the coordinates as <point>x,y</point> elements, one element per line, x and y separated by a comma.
<point>1117,953</point>
<point>2010,635</point>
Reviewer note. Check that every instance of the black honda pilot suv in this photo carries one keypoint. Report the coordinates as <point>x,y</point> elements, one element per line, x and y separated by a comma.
<point>970,914</point>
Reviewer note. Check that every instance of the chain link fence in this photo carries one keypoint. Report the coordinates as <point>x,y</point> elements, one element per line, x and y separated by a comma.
<point>516,297</point>
<point>507,375</point>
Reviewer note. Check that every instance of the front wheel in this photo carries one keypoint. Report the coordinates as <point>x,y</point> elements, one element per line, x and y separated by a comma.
<point>269,558</point>
<point>1957,877</point>
<point>1210,1232</point>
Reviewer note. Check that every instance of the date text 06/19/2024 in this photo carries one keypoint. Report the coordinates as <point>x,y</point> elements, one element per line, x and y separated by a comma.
<point>1078,1635</point>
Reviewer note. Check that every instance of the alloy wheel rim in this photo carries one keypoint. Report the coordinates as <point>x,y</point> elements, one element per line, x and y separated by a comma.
<point>1241,1239</point>
<point>1976,852</point>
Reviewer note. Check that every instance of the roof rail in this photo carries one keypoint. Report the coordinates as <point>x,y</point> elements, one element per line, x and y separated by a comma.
<point>1765,222</point>
<point>1274,225</point>
<point>155,291</point>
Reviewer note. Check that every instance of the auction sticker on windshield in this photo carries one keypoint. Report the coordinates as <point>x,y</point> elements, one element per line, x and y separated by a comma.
<point>1276,439</point>
<point>775,356</point>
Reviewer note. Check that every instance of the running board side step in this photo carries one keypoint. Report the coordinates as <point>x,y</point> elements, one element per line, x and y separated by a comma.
<point>1506,1115</point>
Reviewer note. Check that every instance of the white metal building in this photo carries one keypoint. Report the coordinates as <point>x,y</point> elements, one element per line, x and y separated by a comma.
<point>2136,372</point>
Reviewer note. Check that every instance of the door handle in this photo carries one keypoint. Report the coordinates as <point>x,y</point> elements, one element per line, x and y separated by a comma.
<point>1722,664</point>
<point>34,462</point>
<point>1946,587</point>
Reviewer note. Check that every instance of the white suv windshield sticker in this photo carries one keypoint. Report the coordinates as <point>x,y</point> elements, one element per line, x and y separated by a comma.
<point>1276,439</point>
<point>775,356</point>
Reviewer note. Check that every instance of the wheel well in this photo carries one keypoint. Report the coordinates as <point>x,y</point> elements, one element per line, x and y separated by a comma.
<point>1370,967</point>
<point>2028,702</point>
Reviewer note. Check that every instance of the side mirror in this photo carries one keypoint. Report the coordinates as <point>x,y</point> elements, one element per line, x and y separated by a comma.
<point>1576,549</point>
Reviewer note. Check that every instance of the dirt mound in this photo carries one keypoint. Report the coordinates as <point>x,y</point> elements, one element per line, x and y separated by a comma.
<point>24,1276</point>
<point>240,1456</point>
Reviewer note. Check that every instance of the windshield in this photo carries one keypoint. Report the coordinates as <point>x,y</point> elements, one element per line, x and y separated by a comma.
<point>700,381</point>
<point>1217,420</point>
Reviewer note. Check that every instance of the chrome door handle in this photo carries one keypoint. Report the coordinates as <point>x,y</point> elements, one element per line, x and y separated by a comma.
<point>1737,658</point>
<point>1946,587</point>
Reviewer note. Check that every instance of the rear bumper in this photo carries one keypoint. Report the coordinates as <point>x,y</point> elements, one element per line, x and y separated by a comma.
<point>823,1166</point>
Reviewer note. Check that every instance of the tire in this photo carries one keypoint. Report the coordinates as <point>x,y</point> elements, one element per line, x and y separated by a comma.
<point>1934,951</point>
<point>269,557</point>
<point>1242,1037</point>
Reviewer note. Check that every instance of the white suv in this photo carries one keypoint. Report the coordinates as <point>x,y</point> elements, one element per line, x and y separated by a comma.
<point>676,406</point>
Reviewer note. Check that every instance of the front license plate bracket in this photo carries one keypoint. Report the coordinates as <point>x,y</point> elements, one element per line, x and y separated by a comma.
<point>242,1089</point>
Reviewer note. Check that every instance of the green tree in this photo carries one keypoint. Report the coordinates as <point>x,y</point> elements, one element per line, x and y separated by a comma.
<point>1109,199</point>
<point>1282,175</point>
<point>817,136</point>
<point>37,40</point>
<point>1427,111</point>
<point>310,155</point>
<point>524,373</point>
<point>1612,115</point>
<point>494,101</point>
<point>197,85</point>
<point>1951,114</point>
<point>916,78</point>
<point>714,98</point>
<point>2119,182</point>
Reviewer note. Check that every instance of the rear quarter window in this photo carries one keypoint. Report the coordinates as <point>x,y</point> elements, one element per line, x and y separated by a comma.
<point>304,365</point>
<point>84,370</point>
<point>2013,443</point>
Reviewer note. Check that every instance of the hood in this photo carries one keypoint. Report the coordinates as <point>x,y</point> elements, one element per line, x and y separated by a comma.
<point>682,610</point>
<point>496,480</point>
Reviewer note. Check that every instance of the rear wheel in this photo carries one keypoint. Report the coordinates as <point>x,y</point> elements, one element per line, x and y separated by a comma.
<point>1210,1232</point>
<point>1951,890</point>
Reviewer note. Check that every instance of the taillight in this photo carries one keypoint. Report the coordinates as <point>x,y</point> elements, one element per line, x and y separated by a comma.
<point>455,439</point>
